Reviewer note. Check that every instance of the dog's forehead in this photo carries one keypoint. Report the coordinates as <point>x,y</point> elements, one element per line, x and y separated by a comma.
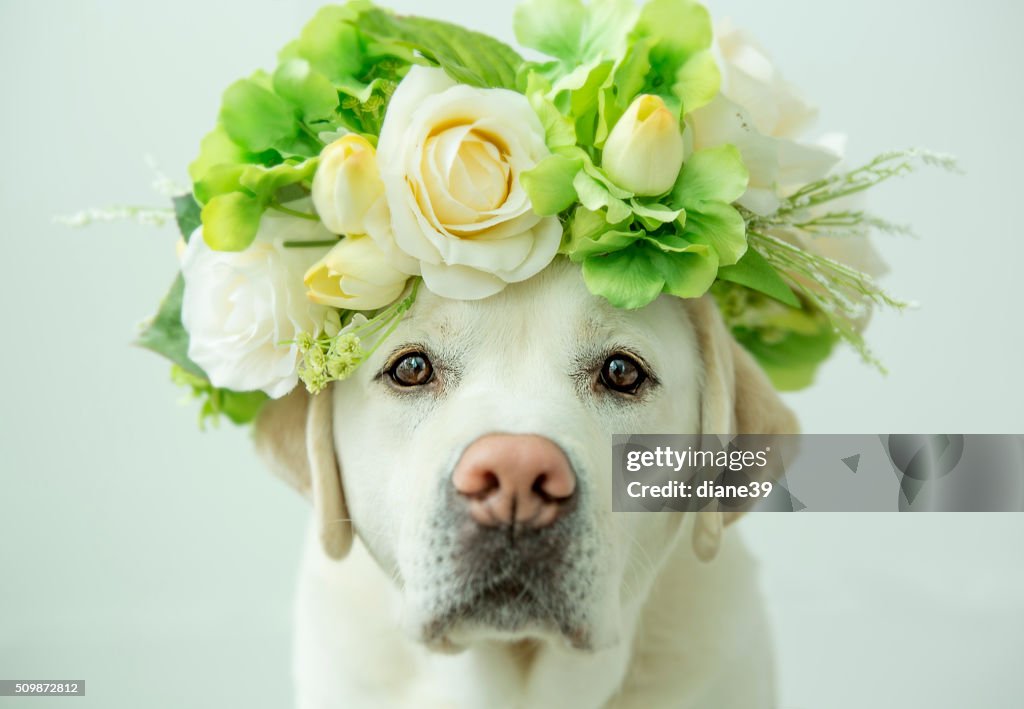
<point>554,308</point>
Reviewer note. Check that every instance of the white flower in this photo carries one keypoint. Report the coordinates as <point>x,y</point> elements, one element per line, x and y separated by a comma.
<point>762,115</point>
<point>450,157</point>
<point>346,184</point>
<point>355,275</point>
<point>240,307</point>
<point>644,151</point>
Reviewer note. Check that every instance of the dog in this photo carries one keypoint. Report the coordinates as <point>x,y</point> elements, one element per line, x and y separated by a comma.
<point>463,551</point>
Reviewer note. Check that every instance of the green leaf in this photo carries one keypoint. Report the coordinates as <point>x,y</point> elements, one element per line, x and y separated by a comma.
<point>164,333</point>
<point>255,117</point>
<point>626,279</point>
<point>790,361</point>
<point>186,214</point>
<point>230,221</point>
<point>466,56</point>
<point>754,272</point>
<point>240,407</point>
<point>549,184</point>
<point>573,33</point>
<point>307,89</point>
<point>713,174</point>
<point>719,225</point>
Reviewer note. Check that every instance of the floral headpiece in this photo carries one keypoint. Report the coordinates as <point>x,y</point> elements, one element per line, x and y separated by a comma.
<point>388,154</point>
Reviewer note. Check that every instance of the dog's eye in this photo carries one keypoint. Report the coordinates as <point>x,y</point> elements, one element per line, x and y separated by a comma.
<point>412,369</point>
<point>622,373</point>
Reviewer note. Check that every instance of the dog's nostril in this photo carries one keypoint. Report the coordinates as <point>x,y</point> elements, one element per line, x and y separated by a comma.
<point>548,492</point>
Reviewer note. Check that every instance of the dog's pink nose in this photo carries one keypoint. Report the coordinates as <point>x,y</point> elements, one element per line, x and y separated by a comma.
<point>514,479</point>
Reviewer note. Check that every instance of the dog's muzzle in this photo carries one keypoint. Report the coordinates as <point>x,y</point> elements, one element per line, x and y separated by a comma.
<point>510,542</point>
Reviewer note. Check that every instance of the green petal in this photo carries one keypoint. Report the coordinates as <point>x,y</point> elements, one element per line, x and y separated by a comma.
<point>606,243</point>
<point>554,27</point>
<point>255,117</point>
<point>265,181</point>
<point>687,273</point>
<point>713,174</point>
<point>595,196</point>
<point>330,42</point>
<point>682,28</point>
<point>589,233</point>
<point>307,89</point>
<point>754,272</point>
<point>584,102</point>
<point>550,184</point>
<point>559,130</point>
<point>219,179</point>
<point>697,81</point>
<point>626,278</point>
<point>217,148</point>
<point>655,211</point>
<point>720,226</point>
<point>230,221</point>
<point>679,29</point>
<point>572,33</point>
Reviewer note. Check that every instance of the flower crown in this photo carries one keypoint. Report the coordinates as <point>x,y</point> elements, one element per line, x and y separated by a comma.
<point>388,154</point>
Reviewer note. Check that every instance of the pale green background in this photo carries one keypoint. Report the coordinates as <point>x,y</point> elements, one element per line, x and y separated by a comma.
<point>157,563</point>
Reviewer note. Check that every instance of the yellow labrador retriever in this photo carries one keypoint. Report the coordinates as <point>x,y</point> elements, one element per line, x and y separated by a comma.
<point>464,552</point>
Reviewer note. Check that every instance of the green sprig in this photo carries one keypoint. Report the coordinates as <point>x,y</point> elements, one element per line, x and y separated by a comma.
<point>334,357</point>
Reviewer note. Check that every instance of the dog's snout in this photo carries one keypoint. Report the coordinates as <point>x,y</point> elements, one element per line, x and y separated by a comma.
<point>514,479</point>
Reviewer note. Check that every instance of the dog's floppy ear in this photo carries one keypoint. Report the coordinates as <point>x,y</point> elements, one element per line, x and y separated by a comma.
<point>737,398</point>
<point>295,435</point>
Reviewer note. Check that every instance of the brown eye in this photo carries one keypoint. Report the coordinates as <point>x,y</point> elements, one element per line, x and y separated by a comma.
<point>412,370</point>
<point>623,374</point>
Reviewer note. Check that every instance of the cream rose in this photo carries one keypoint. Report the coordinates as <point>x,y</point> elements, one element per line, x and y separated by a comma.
<point>355,275</point>
<point>346,184</point>
<point>450,157</point>
<point>240,307</point>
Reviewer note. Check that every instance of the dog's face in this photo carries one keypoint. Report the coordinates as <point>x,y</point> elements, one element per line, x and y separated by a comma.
<point>546,359</point>
<point>475,453</point>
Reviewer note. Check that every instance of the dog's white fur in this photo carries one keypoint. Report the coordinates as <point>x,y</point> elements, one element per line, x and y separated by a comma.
<point>643,623</point>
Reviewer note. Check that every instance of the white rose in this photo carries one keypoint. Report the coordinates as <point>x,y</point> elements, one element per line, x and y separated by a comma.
<point>762,115</point>
<point>355,275</point>
<point>239,307</point>
<point>450,157</point>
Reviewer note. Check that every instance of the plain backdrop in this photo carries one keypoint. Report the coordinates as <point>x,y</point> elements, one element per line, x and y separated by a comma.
<point>157,562</point>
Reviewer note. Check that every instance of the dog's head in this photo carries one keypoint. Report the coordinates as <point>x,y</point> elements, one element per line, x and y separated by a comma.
<point>476,460</point>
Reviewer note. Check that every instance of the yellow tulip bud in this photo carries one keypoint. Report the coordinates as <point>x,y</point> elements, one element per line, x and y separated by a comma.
<point>354,275</point>
<point>346,184</point>
<point>644,151</point>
